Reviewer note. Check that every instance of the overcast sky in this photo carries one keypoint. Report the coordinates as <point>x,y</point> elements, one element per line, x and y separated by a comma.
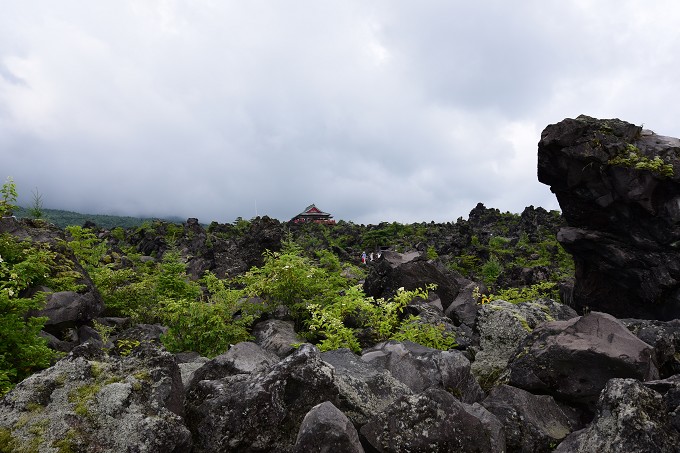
<point>375,111</point>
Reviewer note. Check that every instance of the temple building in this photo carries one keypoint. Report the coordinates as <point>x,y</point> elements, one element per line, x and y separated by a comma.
<point>313,214</point>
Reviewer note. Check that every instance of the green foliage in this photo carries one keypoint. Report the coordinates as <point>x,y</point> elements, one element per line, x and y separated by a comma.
<point>383,318</point>
<point>87,247</point>
<point>434,336</point>
<point>209,327</point>
<point>22,350</point>
<point>293,280</point>
<point>542,290</point>
<point>9,197</point>
<point>432,253</point>
<point>37,209</point>
<point>633,158</point>
<point>491,270</point>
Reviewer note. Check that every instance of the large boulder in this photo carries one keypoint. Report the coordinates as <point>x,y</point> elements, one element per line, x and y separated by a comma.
<point>573,360</point>
<point>242,358</point>
<point>261,411</point>
<point>365,389</point>
<point>410,271</point>
<point>664,336</point>
<point>325,429</point>
<point>630,418</point>
<point>69,309</point>
<point>619,189</point>
<point>532,423</point>
<point>420,368</point>
<point>277,336</point>
<point>93,402</point>
<point>502,326</point>
<point>434,420</point>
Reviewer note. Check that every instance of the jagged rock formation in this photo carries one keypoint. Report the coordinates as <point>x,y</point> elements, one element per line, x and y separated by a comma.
<point>619,189</point>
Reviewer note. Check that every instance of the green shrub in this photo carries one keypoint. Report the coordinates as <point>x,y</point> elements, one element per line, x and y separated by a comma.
<point>210,326</point>
<point>542,290</point>
<point>383,318</point>
<point>22,350</point>
<point>491,270</point>
<point>9,197</point>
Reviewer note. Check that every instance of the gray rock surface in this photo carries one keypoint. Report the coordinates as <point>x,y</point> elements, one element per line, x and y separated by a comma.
<point>630,418</point>
<point>420,368</point>
<point>502,326</point>
<point>93,402</point>
<point>433,421</point>
<point>325,429</point>
<point>365,389</point>
<point>532,423</point>
<point>261,411</point>
<point>276,336</point>
<point>573,360</point>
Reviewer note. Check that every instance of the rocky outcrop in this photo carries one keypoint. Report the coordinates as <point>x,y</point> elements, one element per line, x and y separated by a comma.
<point>630,418</point>
<point>532,423</point>
<point>94,402</point>
<point>619,189</point>
<point>434,421</point>
<point>573,360</point>
<point>502,326</point>
<point>409,271</point>
<point>420,368</point>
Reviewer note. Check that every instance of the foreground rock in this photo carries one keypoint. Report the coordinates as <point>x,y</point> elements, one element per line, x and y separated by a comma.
<point>619,190</point>
<point>532,423</point>
<point>573,360</point>
<point>630,418</point>
<point>420,368</point>
<point>261,411</point>
<point>434,421</point>
<point>326,429</point>
<point>92,402</point>
<point>502,327</point>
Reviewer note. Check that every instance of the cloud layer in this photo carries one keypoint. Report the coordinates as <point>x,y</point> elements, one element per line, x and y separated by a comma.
<point>375,111</point>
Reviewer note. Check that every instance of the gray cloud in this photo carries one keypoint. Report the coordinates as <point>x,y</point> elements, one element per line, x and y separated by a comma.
<point>375,111</point>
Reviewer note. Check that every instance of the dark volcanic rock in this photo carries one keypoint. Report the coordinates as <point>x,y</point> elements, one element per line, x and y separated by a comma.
<point>434,421</point>
<point>664,336</point>
<point>325,429</point>
<point>365,389</point>
<point>410,271</point>
<point>261,411</point>
<point>93,402</point>
<point>630,418</point>
<point>573,360</point>
<point>619,190</point>
<point>420,367</point>
<point>532,423</point>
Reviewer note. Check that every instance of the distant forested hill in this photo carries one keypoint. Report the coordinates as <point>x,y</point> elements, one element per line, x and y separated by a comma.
<point>65,218</point>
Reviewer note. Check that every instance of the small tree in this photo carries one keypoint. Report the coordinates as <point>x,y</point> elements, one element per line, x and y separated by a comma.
<point>37,208</point>
<point>9,197</point>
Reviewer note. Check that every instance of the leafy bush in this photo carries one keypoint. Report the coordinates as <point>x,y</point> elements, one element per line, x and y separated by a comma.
<point>491,270</point>
<point>22,350</point>
<point>339,324</point>
<point>9,197</point>
<point>547,290</point>
<point>293,280</point>
<point>209,327</point>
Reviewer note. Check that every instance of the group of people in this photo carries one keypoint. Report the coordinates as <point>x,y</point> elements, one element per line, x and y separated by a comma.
<point>365,257</point>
